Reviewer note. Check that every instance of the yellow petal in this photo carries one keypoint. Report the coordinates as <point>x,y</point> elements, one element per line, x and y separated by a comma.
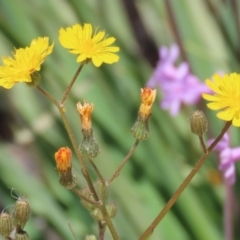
<point>226,115</point>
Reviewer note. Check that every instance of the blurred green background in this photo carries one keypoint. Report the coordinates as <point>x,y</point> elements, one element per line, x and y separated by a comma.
<point>32,131</point>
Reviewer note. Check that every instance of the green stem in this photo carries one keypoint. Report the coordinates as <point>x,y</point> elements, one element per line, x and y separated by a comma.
<point>71,84</point>
<point>185,183</point>
<point>117,172</point>
<point>203,144</point>
<point>98,172</point>
<point>82,163</point>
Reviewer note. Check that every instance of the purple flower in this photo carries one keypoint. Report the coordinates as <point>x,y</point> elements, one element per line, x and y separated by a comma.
<point>178,85</point>
<point>228,156</point>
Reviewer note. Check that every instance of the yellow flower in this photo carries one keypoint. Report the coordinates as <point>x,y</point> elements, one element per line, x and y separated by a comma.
<point>24,63</point>
<point>88,45</point>
<point>226,97</point>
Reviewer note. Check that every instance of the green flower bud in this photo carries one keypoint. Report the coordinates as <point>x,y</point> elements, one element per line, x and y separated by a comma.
<point>90,237</point>
<point>20,213</point>
<point>6,225</point>
<point>198,123</point>
<point>88,147</point>
<point>87,193</point>
<point>21,235</point>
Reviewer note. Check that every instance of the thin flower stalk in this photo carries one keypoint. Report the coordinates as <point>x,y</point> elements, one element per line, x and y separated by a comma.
<point>125,160</point>
<point>84,169</point>
<point>71,84</point>
<point>148,232</point>
<point>98,172</point>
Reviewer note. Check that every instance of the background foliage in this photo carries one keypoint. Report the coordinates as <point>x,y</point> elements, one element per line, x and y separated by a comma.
<point>32,131</point>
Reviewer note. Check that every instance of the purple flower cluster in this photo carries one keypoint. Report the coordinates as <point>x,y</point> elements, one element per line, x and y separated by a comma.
<point>178,85</point>
<point>228,156</point>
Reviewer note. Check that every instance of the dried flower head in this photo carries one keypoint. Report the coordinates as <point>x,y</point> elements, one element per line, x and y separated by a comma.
<point>148,97</point>
<point>85,112</point>
<point>88,45</point>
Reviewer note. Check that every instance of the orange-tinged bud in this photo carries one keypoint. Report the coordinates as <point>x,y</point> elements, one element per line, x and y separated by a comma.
<point>148,97</point>
<point>63,159</point>
<point>85,112</point>
<point>140,129</point>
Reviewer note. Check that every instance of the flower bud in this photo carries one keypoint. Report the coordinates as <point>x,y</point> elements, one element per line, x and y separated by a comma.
<point>88,147</point>
<point>140,129</point>
<point>21,235</point>
<point>90,237</point>
<point>20,213</point>
<point>87,193</point>
<point>102,190</point>
<point>198,122</point>
<point>63,159</point>
<point>111,210</point>
<point>6,225</point>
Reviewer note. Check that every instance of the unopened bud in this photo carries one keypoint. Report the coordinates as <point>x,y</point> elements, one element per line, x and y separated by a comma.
<point>87,193</point>
<point>21,235</point>
<point>198,123</point>
<point>102,190</point>
<point>88,147</point>
<point>6,225</point>
<point>90,237</point>
<point>20,213</point>
<point>111,210</point>
<point>140,129</point>
<point>63,159</point>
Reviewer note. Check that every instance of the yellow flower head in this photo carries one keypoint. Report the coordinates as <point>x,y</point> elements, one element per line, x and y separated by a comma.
<point>88,45</point>
<point>226,97</point>
<point>24,63</point>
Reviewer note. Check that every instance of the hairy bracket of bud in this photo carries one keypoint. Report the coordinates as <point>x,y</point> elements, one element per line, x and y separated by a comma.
<point>198,123</point>
<point>88,147</point>
<point>63,159</point>
<point>20,213</point>
<point>87,193</point>
<point>21,235</point>
<point>90,237</point>
<point>102,190</point>
<point>6,225</point>
<point>140,129</point>
<point>111,210</point>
